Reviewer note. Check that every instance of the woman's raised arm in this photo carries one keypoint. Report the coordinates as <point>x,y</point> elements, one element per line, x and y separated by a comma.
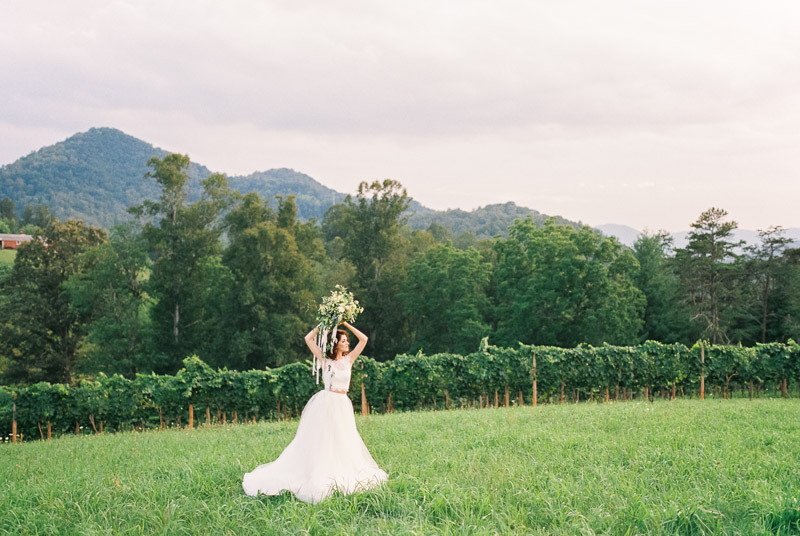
<point>362,342</point>
<point>311,342</point>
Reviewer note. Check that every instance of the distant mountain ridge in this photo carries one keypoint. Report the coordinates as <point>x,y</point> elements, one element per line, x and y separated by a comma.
<point>96,175</point>
<point>628,235</point>
<point>485,222</point>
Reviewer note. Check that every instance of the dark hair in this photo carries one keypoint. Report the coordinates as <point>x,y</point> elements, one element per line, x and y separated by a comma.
<point>330,354</point>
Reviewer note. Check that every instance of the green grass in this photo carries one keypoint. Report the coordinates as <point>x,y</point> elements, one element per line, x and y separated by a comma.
<point>7,257</point>
<point>682,467</point>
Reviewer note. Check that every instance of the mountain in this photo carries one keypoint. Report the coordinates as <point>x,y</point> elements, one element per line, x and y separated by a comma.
<point>96,175</point>
<point>624,234</point>
<point>312,198</point>
<point>93,176</point>
<point>628,235</point>
<point>485,222</point>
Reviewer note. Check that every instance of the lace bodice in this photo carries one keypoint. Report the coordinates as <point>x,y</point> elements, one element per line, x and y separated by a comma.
<point>336,374</point>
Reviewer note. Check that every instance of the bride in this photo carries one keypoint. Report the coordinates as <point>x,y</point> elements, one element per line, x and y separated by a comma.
<point>327,453</point>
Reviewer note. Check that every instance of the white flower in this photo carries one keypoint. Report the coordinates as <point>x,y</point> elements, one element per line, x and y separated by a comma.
<point>338,306</point>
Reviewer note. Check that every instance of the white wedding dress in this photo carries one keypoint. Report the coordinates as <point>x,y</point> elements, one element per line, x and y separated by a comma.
<point>327,453</point>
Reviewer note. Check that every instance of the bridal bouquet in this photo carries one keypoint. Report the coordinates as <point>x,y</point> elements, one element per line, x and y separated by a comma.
<point>339,307</point>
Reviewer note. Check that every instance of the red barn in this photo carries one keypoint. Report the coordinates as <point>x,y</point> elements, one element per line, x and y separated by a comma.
<point>12,241</point>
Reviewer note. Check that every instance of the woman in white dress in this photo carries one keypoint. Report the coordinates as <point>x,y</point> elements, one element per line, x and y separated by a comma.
<point>327,453</point>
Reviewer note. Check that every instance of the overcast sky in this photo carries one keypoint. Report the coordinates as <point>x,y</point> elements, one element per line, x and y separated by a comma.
<point>631,112</point>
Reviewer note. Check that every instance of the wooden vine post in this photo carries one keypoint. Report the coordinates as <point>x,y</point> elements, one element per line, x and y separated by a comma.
<point>14,421</point>
<point>364,403</point>
<point>364,406</point>
<point>702,372</point>
<point>208,416</point>
<point>534,380</point>
<point>191,415</point>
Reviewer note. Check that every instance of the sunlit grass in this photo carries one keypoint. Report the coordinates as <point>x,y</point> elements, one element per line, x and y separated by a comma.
<point>682,467</point>
<point>7,257</point>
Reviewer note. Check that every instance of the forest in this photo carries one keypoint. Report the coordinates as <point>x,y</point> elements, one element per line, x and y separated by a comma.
<point>235,280</point>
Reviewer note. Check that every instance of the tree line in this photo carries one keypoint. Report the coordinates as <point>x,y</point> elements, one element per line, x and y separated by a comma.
<point>235,279</point>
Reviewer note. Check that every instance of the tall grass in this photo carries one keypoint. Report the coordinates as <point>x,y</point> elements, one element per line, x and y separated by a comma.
<point>682,467</point>
<point>7,257</point>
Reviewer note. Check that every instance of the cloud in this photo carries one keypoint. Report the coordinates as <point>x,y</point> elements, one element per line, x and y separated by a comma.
<point>446,93</point>
<point>406,68</point>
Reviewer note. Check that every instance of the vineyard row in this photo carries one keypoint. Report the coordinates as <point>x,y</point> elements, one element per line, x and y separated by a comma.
<point>495,376</point>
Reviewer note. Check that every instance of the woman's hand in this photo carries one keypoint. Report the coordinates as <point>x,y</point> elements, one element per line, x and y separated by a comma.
<point>362,342</point>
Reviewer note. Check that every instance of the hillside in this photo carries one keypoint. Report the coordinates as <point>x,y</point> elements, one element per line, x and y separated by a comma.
<point>485,222</point>
<point>93,176</point>
<point>7,257</point>
<point>313,199</point>
<point>96,175</point>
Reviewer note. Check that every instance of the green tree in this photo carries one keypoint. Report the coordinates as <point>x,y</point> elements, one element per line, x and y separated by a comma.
<point>467,239</point>
<point>708,274</point>
<point>560,286</point>
<point>370,229</point>
<point>790,277</point>
<point>784,299</point>
<point>182,241</point>
<point>7,211</point>
<point>767,259</point>
<point>665,317</point>
<point>440,233</point>
<point>268,303</point>
<point>40,331</point>
<point>37,215</point>
<point>111,294</point>
<point>444,296</point>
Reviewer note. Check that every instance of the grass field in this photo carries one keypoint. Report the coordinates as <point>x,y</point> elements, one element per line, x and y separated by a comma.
<point>682,467</point>
<point>7,257</point>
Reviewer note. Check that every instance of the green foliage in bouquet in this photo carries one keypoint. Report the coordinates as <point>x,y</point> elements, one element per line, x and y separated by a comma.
<point>339,307</point>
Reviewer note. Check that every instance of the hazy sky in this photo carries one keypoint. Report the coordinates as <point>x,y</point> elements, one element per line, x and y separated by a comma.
<point>631,112</point>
